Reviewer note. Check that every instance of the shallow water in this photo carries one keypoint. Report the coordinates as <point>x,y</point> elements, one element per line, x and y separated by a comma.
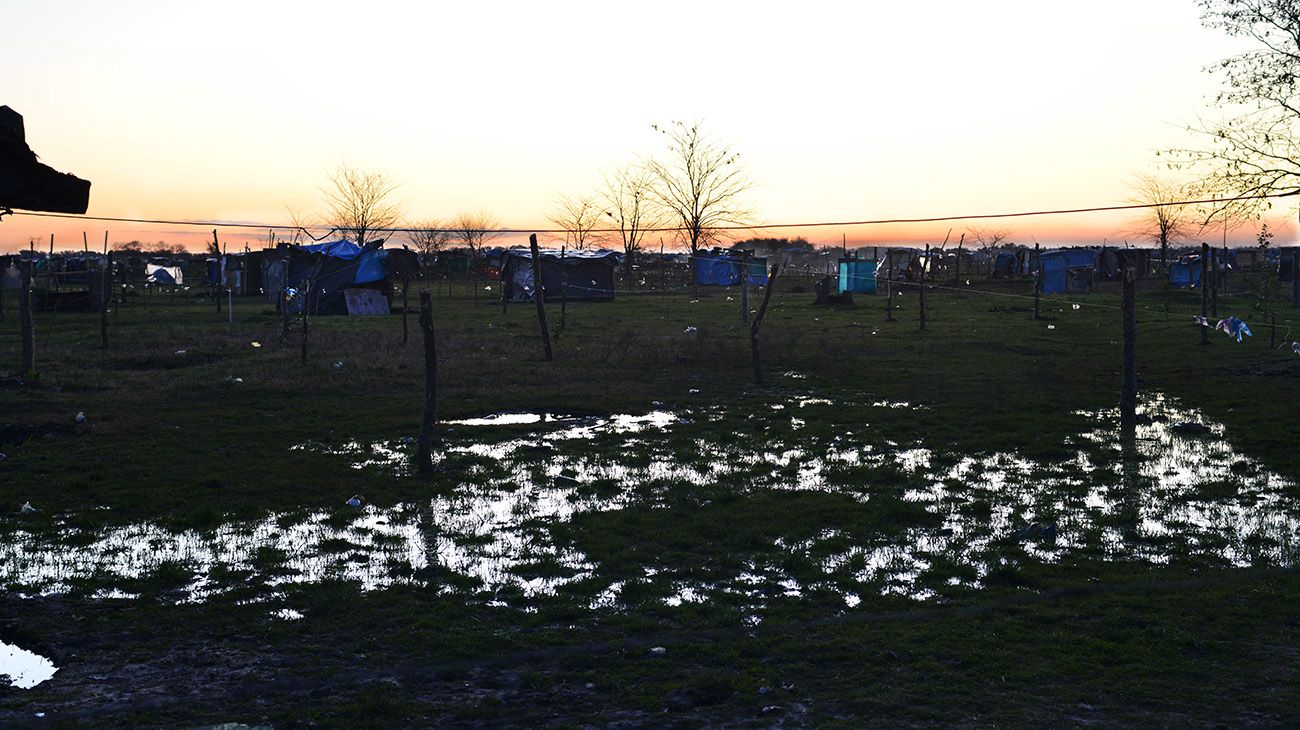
<point>23,668</point>
<point>1152,496</point>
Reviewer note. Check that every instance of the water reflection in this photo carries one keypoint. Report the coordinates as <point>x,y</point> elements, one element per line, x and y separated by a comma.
<point>22,668</point>
<point>1152,494</point>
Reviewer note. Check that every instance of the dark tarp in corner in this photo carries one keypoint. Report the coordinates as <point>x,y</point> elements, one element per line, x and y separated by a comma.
<point>342,265</point>
<point>583,275</point>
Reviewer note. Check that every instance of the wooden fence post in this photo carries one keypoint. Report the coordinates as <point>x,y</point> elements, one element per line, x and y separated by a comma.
<point>744,287</point>
<point>1214,282</point>
<point>924,271</point>
<point>758,322</point>
<point>1129,385</point>
<point>564,289</point>
<point>27,365</point>
<point>1295,277</point>
<point>406,306</point>
<point>106,296</point>
<point>539,295</point>
<point>424,447</point>
<point>1205,294</point>
<point>889,285</point>
<point>1038,281</point>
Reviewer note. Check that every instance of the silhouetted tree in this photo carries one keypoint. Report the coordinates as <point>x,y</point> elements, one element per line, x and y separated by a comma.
<point>578,218</point>
<point>699,183</point>
<point>361,202</point>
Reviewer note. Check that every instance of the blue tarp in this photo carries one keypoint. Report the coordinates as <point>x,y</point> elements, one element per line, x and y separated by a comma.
<point>724,270</point>
<point>1057,264</point>
<point>1183,274</point>
<point>370,265</point>
<point>857,276</point>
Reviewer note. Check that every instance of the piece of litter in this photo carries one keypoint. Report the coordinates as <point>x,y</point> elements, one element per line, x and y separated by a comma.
<point>255,343</point>
<point>2,456</point>
<point>355,501</point>
<point>80,417</point>
<point>1202,321</point>
<point>28,509</point>
<point>692,391</point>
<point>658,650</point>
<point>690,330</point>
<point>338,364</point>
<point>235,380</point>
<point>180,352</point>
<point>1051,326</point>
<point>1233,327</point>
<point>1075,306</point>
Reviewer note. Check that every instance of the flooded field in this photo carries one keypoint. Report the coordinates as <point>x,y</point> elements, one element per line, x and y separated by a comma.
<point>525,521</point>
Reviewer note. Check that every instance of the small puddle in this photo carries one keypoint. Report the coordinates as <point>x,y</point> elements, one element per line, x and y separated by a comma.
<point>24,669</point>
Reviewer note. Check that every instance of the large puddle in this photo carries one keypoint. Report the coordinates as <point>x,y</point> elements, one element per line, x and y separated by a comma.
<point>23,669</point>
<point>1166,492</point>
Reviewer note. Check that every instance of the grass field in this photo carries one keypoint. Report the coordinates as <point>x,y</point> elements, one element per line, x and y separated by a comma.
<point>898,527</point>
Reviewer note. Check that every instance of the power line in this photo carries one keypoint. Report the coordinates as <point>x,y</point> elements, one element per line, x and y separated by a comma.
<point>739,227</point>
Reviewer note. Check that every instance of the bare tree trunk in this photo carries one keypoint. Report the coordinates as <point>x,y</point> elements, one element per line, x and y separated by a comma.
<point>424,447</point>
<point>758,322</point>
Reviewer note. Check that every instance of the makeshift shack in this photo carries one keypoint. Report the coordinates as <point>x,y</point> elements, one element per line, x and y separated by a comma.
<point>857,276</point>
<point>332,268</point>
<point>1185,273</point>
<point>575,275</point>
<point>1068,270</point>
<point>720,267</point>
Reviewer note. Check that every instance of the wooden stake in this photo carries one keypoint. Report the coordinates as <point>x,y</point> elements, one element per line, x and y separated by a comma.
<point>539,295</point>
<point>744,286</point>
<point>924,270</point>
<point>1214,282</point>
<point>406,285</point>
<point>424,447</point>
<point>104,299</point>
<point>758,322</point>
<point>1129,385</point>
<point>1038,281</point>
<point>85,242</point>
<point>1205,294</point>
<point>27,365</point>
<point>1295,277</point>
<point>889,285</point>
<point>564,290</point>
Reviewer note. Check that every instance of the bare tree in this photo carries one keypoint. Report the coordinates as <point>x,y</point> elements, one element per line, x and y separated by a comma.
<point>629,203</point>
<point>361,202</point>
<point>699,183</point>
<point>473,230</point>
<point>1168,219</point>
<point>301,223</point>
<point>578,218</point>
<point>988,240</point>
<point>1255,149</point>
<point>427,237</point>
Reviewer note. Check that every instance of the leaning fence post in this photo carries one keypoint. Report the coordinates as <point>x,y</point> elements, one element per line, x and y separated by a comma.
<point>758,322</point>
<point>539,295</point>
<point>1295,277</point>
<point>1129,385</point>
<point>424,446</point>
<point>1205,294</point>
<point>28,364</point>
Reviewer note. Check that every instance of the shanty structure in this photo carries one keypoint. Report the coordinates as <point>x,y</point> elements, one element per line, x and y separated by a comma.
<point>573,275</point>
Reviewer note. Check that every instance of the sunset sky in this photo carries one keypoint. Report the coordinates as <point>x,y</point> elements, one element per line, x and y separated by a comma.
<point>237,111</point>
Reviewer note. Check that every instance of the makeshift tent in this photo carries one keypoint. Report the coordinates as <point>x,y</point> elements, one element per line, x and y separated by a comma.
<point>722,268</point>
<point>1185,273</point>
<point>857,276</point>
<point>577,275</point>
<point>899,264</point>
<point>168,275</point>
<point>1068,270</point>
<point>332,267</point>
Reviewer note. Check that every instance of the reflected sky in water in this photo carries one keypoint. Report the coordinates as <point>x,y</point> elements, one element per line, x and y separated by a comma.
<point>1155,497</point>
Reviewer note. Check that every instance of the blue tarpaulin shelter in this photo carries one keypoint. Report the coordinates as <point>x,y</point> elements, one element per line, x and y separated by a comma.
<point>857,276</point>
<point>575,275</point>
<point>368,264</point>
<point>1058,265</point>
<point>1185,274</point>
<point>722,268</point>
